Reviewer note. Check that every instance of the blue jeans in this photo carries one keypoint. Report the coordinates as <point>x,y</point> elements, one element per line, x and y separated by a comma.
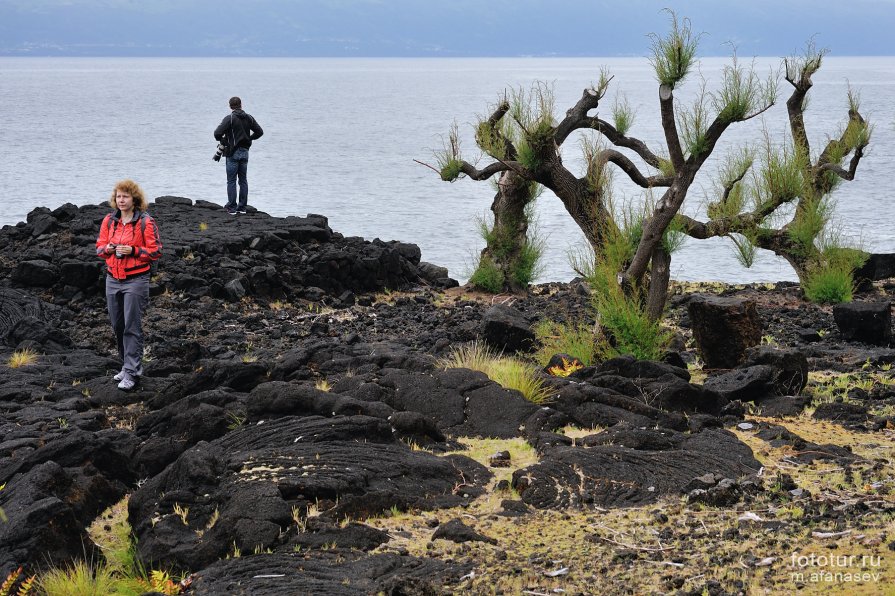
<point>238,165</point>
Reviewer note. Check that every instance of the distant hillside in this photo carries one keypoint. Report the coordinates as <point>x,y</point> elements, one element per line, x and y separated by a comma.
<point>414,28</point>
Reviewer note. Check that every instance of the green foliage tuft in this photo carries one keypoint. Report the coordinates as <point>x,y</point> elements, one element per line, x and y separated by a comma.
<point>522,262</point>
<point>622,115</point>
<point>781,175</point>
<point>674,55</point>
<point>450,170</point>
<point>666,168</point>
<point>810,219</point>
<point>625,322</point>
<point>830,278</point>
<point>533,115</point>
<point>577,339</point>
<point>742,94</point>
<point>730,185</point>
<point>693,124</point>
<point>804,66</point>
<point>674,236</point>
<point>829,285</point>
<point>744,247</point>
<point>528,266</point>
<point>489,140</point>
<point>81,579</point>
<point>599,177</point>
<point>449,161</point>
<point>487,276</point>
<point>628,327</point>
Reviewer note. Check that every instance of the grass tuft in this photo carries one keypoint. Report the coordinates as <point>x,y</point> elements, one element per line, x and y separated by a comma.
<point>674,55</point>
<point>575,339</point>
<point>506,371</point>
<point>487,276</point>
<point>80,579</point>
<point>21,358</point>
<point>829,285</point>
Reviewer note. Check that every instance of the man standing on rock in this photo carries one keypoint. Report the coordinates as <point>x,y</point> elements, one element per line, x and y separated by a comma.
<point>237,131</point>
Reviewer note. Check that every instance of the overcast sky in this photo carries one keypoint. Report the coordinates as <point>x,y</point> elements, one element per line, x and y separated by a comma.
<point>434,27</point>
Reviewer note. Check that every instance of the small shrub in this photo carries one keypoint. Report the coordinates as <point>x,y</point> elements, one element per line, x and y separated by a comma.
<point>528,266</point>
<point>21,358</point>
<point>631,330</point>
<point>625,322</point>
<point>474,356</point>
<point>575,339</point>
<point>829,285</point>
<point>513,373</point>
<point>487,276</point>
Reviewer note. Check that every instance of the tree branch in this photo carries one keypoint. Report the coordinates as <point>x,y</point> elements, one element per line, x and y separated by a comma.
<point>669,125</point>
<point>794,107</point>
<point>852,167</point>
<point>628,167</point>
<point>576,116</point>
<point>488,171</point>
<point>620,140</point>
<point>493,121</point>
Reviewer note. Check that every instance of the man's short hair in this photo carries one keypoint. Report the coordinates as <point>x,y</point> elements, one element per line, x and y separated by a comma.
<point>235,103</point>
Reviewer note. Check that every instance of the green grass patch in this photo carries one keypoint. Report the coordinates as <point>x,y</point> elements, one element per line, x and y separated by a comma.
<point>575,339</point>
<point>487,276</point>
<point>829,285</point>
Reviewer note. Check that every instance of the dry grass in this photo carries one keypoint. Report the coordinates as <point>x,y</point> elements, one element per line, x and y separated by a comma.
<point>673,545</point>
<point>21,358</point>
<point>507,371</point>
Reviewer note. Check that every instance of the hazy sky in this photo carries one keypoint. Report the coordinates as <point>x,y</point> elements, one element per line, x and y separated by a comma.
<point>434,27</point>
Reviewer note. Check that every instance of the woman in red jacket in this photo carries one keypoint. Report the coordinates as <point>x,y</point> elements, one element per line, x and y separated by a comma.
<point>128,242</point>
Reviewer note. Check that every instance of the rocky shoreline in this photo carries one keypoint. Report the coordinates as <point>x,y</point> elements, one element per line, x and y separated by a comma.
<point>293,397</point>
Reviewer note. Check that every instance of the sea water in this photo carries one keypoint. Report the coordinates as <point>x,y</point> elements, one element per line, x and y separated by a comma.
<point>343,138</point>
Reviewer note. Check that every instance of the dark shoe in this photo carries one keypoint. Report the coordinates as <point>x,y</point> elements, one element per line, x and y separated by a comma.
<point>231,211</point>
<point>241,210</point>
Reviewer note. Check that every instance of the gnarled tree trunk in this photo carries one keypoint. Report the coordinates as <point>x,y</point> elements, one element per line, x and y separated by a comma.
<point>507,238</point>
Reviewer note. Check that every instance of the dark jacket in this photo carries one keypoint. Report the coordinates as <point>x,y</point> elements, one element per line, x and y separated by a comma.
<point>141,233</point>
<point>238,129</point>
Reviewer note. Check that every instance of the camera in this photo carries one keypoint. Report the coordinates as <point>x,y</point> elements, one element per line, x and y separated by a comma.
<point>220,151</point>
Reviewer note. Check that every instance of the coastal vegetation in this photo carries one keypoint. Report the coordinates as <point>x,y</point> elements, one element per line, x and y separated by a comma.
<point>314,417</point>
<point>756,188</point>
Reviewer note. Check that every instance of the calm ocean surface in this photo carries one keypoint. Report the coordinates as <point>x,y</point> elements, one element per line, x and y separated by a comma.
<point>341,136</point>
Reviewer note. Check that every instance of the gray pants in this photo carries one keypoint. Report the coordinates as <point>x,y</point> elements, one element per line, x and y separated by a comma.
<point>127,300</point>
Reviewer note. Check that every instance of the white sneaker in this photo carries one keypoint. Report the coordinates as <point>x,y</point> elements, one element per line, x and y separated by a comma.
<point>120,376</point>
<point>127,383</point>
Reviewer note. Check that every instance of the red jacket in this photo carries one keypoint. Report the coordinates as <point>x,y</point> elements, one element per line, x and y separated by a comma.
<point>141,233</point>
